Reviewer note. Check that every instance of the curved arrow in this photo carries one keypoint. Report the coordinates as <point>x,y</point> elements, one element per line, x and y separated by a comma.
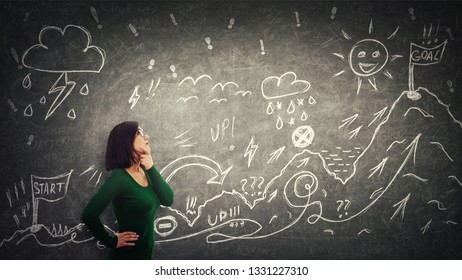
<point>195,160</point>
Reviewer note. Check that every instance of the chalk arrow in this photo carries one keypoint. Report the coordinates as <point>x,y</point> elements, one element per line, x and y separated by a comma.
<point>303,162</point>
<point>355,132</point>
<point>425,228</point>
<point>276,154</point>
<point>272,196</point>
<point>378,168</point>
<point>195,160</point>
<point>378,115</point>
<point>348,121</point>
<point>413,147</point>
<point>400,207</point>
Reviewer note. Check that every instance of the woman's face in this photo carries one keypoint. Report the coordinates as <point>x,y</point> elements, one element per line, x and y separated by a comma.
<point>141,142</point>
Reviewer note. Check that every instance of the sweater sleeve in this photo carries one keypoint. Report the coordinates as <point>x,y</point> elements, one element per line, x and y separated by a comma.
<point>97,204</point>
<point>162,189</point>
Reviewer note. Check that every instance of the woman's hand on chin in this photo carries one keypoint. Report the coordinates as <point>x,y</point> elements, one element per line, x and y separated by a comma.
<point>146,158</point>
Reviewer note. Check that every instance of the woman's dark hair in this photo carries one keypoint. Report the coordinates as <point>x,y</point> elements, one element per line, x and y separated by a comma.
<point>119,150</point>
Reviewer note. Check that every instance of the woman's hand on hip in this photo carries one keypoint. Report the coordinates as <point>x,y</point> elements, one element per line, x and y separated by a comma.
<point>125,238</point>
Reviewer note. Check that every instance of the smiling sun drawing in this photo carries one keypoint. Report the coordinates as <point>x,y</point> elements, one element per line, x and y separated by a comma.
<point>368,57</point>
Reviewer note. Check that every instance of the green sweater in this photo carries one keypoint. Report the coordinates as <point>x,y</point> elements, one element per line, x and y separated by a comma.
<point>135,208</point>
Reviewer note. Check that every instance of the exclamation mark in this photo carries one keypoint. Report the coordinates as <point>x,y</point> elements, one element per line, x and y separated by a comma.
<point>10,102</point>
<point>208,41</point>
<point>172,68</point>
<point>15,56</point>
<point>448,30</point>
<point>26,16</point>
<point>262,47</point>
<point>297,18</point>
<point>333,12</point>
<point>133,29</point>
<point>95,16</point>
<point>151,63</point>
<point>30,139</point>
<point>173,19</point>
<point>411,11</point>
<point>231,23</point>
<point>451,89</point>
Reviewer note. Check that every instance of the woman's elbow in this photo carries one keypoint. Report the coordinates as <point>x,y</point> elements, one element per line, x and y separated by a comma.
<point>86,216</point>
<point>168,202</point>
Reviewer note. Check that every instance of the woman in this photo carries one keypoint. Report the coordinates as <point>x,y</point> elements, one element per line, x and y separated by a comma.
<point>136,190</point>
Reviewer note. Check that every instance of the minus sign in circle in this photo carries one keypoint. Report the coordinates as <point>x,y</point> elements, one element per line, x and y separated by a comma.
<point>164,226</point>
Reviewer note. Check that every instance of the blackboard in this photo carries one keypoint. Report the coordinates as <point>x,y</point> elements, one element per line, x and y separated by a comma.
<point>287,129</point>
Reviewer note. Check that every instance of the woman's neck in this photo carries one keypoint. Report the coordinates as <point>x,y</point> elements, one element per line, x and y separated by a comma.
<point>135,168</point>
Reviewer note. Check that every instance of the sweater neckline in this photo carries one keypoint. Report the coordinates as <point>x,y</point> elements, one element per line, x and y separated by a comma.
<point>136,182</point>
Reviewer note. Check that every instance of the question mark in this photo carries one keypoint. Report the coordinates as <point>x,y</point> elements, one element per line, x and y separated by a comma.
<point>346,206</point>
<point>340,206</point>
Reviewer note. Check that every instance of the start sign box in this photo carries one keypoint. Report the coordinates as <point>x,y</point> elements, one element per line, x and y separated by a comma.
<point>50,188</point>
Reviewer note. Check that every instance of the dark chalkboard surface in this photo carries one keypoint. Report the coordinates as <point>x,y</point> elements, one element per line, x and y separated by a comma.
<point>288,130</point>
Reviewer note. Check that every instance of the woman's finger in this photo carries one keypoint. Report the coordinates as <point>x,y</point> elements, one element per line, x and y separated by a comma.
<point>126,237</point>
<point>127,233</point>
<point>130,237</point>
<point>145,150</point>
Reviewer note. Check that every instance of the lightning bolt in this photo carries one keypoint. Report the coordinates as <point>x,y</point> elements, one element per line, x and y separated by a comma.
<point>134,98</point>
<point>251,150</point>
<point>61,95</point>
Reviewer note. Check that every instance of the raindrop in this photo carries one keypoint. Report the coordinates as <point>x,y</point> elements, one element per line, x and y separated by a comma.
<point>270,108</point>
<point>84,89</point>
<point>26,82</point>
<point>71,115</point>
<point>28,112</point>
<point>312,101</point>
<point>279,123</point>
<point>291,108</point>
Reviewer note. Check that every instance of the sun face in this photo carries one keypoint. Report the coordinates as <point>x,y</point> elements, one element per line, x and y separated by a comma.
<point>367,58</point>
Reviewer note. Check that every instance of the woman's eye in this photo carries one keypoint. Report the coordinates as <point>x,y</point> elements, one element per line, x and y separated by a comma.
<point>376,54</point>
<point>362,54</point>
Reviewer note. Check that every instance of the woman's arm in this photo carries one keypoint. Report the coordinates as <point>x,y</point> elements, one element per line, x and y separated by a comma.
<point>162,189</point>
<point>96,206</point>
